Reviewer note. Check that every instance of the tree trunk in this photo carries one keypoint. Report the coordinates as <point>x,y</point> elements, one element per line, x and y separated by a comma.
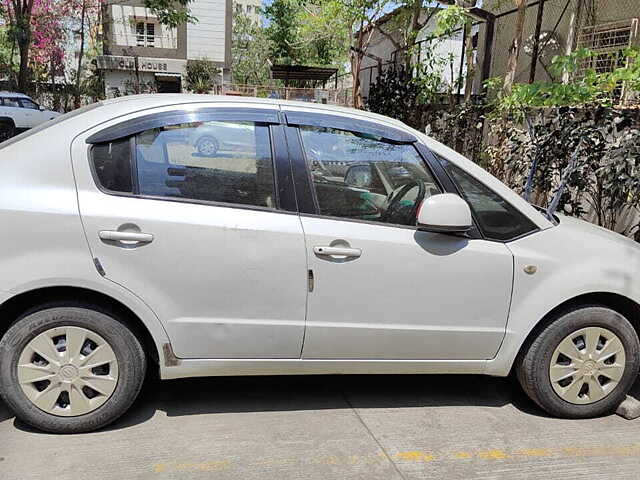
<point>516,47</point>
<point>77,99</point>
<point>356,62</point>
<point>471,69</point>
<point>23,73</point>
<point>22,11</point>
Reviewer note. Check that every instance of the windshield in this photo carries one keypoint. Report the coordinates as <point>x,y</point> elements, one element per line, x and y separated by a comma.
<point>50,123</point>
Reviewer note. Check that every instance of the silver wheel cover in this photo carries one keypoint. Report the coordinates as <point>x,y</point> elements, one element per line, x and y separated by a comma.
<point>587,365</point>
<point>68,371</point>
<point>207,147</point>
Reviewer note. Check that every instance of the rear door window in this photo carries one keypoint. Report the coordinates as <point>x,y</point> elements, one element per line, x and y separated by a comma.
<point>10,102</point>
<point>228,162</point>
<point>215,161</point>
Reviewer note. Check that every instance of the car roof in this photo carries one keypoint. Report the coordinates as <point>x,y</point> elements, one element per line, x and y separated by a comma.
<point>6,93</point>
<point>167,99</point>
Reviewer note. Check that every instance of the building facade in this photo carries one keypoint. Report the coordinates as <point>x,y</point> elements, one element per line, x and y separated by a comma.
<point>250,8</point>
<point>143,56</point>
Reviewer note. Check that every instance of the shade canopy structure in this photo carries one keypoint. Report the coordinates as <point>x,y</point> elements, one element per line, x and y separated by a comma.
<point>302,73</point>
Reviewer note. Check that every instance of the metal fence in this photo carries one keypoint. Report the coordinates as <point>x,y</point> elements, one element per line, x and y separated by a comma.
<point>331,96</point>
<point>606,27</point>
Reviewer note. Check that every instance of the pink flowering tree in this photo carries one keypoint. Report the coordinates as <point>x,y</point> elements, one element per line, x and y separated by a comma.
<point>42,28</point>
<point>46,56</point>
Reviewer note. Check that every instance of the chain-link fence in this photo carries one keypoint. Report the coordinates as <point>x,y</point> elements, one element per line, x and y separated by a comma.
<point>607,27</point>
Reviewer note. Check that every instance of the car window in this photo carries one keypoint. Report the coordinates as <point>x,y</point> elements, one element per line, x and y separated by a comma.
<point>112,165</point>
<point>226,162</point>
<point>10,102</point>
<point>362,177</point>
<point>30,104</point>
<point>497,219</point>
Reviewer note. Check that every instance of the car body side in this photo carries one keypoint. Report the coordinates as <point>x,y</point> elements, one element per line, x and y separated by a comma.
<point>45,246</point>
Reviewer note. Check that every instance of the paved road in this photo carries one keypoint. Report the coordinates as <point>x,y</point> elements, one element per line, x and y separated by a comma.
<point>324,428</point>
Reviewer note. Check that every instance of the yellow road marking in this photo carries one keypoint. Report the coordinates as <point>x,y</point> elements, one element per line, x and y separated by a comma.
<point>493,454</point>
<point>416,456</point>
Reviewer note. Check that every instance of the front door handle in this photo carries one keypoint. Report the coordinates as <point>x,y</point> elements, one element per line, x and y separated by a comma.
<point>131,238</point>
<point>337,251</point>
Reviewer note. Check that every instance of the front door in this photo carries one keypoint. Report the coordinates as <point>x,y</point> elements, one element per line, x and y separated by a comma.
<point>382,289</point>
<point>200,237</point>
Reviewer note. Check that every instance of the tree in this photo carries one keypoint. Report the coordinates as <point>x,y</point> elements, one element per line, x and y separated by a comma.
<point>250,49</point>
<point>89,14</point>
<point>201,75</point>
<point>19,16</point>
<point>403,29</point>
<point>516,46</point>
<point>307,32</point>
<point>355,21</point>
<point>282,16</point>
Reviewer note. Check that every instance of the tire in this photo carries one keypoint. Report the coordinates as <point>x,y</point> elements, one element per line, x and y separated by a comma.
<point>567,397</point>
<point>7,130</point>
<point>125,369</point>
<point>207,146</point>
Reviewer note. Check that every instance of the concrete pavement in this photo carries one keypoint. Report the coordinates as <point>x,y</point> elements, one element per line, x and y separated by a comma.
<point>324,428</point>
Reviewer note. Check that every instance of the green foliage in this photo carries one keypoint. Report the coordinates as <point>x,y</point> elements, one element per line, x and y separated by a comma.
<point>250,48</point>
<point>450,19</point>
<point>171,12</point>
<point>406,91</point>
<point>201,75</point>
<point>605,143</point>
<point>324,33</point>
<point>308,32</point>
<point>282,17</point>
<point>591,88</point>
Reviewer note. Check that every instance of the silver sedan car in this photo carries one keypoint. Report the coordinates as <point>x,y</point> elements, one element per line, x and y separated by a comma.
<point>201,236</point>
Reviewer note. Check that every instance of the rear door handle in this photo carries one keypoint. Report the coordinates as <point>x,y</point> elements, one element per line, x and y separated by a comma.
<point>337,251</point>
<point>125,237</point>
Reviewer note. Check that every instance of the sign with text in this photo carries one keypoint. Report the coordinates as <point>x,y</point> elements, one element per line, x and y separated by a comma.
<point>144,64</point>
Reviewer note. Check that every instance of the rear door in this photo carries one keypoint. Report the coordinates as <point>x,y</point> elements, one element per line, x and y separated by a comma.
<point>212,243</point>
<point>12,109</point>
<point>31,112</point>
<point>381,288</point>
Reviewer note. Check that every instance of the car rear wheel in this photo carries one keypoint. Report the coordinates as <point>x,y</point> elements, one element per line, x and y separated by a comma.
<point>70,369</point>
<point>7,130</point>
<point>582,364</point>
<point>208,146</point>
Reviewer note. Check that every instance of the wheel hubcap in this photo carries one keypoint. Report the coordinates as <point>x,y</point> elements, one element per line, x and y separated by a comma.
<point>208,147</point>
<point>68,371</point>
<point>587,365</point>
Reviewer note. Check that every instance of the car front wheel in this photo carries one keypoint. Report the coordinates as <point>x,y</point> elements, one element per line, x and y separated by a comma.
<point>582,364</point>
<point>70,369</point>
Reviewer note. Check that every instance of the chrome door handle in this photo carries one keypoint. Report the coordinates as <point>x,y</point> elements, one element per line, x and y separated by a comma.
<point>125,237</point>
<point>337,251</point>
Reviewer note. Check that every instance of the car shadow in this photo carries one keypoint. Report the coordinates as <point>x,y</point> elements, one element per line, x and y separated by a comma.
<point>218,395</point>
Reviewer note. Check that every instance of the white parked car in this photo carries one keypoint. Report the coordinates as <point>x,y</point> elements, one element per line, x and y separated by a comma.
<point>330,241</point>
<point>18,113</point>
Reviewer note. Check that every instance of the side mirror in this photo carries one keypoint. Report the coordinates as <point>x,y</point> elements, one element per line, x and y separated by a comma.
<point>359,176</point>
<point>444,213</point>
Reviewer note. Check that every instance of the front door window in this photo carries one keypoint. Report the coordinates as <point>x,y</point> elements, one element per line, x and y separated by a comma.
<point>361,177</point>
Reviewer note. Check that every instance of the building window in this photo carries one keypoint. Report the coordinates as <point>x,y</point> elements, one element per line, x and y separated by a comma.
<point>145,34</point>
<point>608,41</point>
